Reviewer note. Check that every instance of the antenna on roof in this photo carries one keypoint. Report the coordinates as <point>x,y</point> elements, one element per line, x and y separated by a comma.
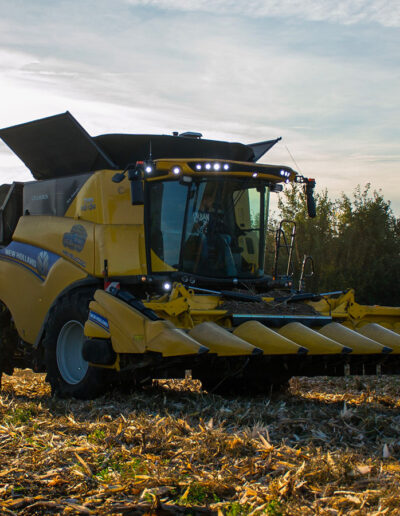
<point>294,161</point>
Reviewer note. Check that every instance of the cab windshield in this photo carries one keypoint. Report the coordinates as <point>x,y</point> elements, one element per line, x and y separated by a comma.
<point>212,228</point>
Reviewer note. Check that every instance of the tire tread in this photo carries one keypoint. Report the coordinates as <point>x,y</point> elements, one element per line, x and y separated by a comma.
<point>74,305</point>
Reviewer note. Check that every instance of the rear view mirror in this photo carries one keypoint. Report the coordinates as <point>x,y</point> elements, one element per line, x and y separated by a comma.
<point>137,192</point>
<point>311,206</point>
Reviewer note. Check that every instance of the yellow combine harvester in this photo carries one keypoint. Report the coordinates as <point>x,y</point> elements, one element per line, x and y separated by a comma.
<point>133,257</point>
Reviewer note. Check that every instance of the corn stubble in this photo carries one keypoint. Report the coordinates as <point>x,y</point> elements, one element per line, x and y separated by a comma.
<point>328,446</point>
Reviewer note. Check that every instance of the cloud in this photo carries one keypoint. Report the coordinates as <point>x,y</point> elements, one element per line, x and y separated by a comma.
<point>384,12</point>
<point>12,169</point>
<point>331,92</point>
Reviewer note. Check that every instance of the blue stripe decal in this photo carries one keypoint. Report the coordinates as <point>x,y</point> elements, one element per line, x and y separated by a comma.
<point>99,320</point>
<point>36,260</point>
<point>8,259</point>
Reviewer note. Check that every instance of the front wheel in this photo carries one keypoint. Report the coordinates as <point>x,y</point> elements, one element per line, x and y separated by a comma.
<point>8,343</point>
<point>68,373</point>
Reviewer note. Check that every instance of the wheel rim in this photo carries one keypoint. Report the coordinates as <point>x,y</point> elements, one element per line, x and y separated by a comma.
<point>70,362</point>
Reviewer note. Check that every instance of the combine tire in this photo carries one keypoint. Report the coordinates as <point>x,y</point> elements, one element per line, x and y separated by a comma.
<point>8,342</point>
<point>67,372</point>
<point>1,358</point>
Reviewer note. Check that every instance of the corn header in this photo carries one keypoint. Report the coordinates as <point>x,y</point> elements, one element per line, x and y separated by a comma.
<point>134,257</point>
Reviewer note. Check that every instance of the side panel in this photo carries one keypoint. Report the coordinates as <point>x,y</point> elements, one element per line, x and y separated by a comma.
<point>118,226</point>
<point>69,238</point>
<point>123,247</point>
<point>105,202</point>
<point>31,278</point>
<point>53,196</point>
<point>47,255</point>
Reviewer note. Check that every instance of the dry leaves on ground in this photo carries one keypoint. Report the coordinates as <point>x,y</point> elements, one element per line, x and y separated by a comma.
<point>328,446</point>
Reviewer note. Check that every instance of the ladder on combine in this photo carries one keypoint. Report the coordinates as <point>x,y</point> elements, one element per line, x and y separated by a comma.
<point>307,261</point>
<point>284,241</point>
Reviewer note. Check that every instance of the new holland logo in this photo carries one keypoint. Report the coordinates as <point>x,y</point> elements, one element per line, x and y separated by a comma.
<point>99,319</point>
<point>43,263</point>
<point>76,238</point>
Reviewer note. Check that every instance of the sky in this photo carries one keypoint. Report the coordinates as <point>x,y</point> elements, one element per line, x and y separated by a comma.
<point>323,74</point>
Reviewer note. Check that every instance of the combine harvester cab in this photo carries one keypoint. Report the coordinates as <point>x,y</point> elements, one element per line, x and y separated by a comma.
<point>134,257</point>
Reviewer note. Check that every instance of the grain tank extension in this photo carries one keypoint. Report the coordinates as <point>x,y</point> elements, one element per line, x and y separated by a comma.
<point>134,257</point>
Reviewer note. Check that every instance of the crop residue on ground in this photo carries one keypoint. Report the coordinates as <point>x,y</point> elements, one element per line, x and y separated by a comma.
<point>328,446</point>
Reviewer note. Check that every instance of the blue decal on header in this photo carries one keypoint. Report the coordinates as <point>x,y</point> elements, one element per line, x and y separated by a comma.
<point>99,319</point>
<point>37,260</point>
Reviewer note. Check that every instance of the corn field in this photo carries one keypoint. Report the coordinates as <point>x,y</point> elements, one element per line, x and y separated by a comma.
<point>326,446</point>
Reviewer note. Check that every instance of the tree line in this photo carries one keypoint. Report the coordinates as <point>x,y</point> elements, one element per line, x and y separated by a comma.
<point>354,242</point>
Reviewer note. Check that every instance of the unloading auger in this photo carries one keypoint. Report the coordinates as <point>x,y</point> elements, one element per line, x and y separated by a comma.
<point>134,257</point>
